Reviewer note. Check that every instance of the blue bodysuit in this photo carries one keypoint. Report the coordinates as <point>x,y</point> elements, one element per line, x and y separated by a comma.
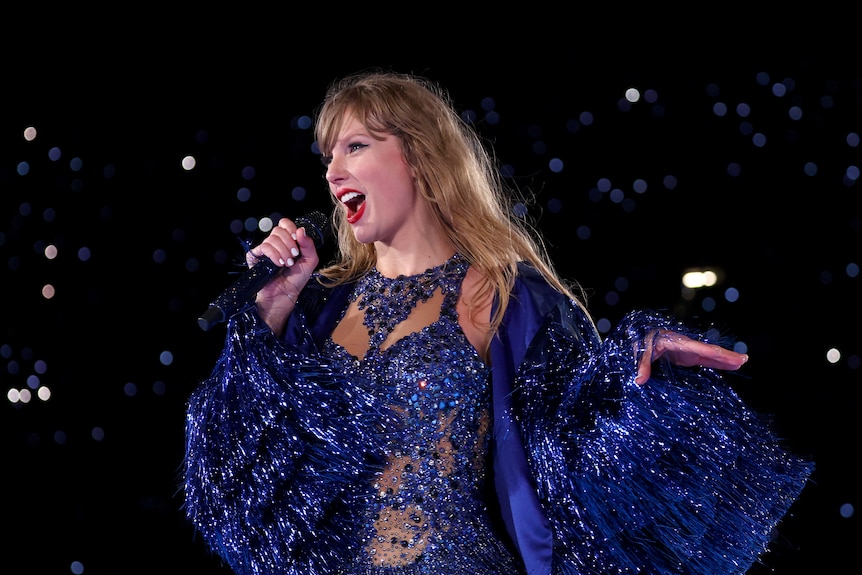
<point>388,446</point>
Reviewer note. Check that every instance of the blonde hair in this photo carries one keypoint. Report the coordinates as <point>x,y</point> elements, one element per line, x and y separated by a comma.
<point>456,175</point>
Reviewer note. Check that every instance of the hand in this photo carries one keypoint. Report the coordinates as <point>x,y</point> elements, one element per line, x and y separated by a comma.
<point>684,351</point>
<point>291,249</point>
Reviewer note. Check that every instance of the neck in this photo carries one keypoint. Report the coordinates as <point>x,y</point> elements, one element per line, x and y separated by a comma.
<point>392,262</point>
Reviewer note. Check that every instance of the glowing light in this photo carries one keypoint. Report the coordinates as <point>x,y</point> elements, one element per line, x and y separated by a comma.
<point>265,224</point>
<point>19,395</point>
<point>189,163</point>
<point>699,279</point>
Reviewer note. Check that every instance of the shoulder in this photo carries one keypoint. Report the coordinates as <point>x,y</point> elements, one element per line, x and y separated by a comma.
<point>474,309</point>
<point>474,279</point>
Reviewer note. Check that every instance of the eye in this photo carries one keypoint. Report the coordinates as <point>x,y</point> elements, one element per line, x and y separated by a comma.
<point>355,146</point>
<point>326,160</point>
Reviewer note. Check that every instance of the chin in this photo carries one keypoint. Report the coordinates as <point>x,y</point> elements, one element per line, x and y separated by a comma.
<point>362,238</point>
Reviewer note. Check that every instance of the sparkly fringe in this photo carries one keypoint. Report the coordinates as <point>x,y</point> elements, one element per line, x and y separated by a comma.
<point>676,476</point>
<point>276,441</point>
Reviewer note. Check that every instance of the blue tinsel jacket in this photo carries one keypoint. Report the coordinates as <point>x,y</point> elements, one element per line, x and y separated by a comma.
<point>593,474</point>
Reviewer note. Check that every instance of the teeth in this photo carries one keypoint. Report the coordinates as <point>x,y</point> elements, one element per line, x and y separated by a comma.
<point>349,196</point>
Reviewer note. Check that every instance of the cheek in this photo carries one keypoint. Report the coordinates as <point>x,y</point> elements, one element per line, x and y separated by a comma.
<point>406,174</point>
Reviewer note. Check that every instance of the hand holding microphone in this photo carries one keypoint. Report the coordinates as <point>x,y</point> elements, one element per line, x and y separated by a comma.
<point>237,296</point>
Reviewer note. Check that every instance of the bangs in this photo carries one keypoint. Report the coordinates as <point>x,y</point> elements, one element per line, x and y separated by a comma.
<point>358,101</point>
<point>328,126</point>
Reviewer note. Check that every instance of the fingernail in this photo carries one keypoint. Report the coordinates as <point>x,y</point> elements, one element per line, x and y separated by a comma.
<point>293,235</point>
<point>280,261</point>
<point>290,261</point>
<point>294,251</point>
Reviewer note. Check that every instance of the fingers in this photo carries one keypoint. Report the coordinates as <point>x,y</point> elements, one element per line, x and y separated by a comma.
<point>684,351</point>
<point>282,245</point>
<point>721,358</point>
<point>644,371</point>
<point>644,362</point>
<point>305,243</point>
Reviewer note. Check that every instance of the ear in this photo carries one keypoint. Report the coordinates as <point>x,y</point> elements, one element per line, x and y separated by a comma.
<point>410,168</point>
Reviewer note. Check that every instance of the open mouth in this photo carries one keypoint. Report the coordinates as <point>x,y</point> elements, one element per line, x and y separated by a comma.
<point>354,202</point>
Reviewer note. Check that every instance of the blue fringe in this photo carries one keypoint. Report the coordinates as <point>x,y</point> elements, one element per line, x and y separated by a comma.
<point>677,476</point>
<point>278,445</point>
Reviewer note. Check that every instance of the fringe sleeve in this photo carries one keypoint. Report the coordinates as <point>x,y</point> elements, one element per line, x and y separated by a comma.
<point>275,440</point>
<point>675,476</point>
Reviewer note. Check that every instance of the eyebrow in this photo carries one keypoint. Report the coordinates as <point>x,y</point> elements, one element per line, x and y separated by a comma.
<point>354,134</point>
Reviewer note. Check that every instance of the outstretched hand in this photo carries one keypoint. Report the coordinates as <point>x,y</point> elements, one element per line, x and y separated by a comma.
<point>684,351</point>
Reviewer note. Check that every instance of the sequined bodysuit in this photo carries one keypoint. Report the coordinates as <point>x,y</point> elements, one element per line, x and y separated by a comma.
<point>425,512</point>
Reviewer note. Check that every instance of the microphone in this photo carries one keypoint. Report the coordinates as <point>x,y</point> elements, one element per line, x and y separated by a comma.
<point>238,294</point>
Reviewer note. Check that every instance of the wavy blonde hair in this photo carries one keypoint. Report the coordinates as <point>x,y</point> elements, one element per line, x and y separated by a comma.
<point>456,175</point>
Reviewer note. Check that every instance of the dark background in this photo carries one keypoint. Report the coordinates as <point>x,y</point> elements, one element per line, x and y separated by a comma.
<point>91,475</point>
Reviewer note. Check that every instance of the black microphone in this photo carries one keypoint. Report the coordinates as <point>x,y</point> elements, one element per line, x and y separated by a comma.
<point>236,297</point>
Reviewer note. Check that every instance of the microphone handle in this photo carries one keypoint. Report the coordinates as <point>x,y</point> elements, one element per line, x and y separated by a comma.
<point>235,297</point>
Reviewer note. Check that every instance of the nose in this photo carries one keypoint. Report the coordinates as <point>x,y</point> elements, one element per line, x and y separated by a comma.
<point>335,170</point>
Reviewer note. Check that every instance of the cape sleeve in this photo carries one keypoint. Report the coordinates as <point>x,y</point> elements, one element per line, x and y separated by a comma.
<point>275,441</point>
<point>676,476</point>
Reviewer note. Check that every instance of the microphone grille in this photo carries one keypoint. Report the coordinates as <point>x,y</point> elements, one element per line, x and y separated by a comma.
<point>317,227</point>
